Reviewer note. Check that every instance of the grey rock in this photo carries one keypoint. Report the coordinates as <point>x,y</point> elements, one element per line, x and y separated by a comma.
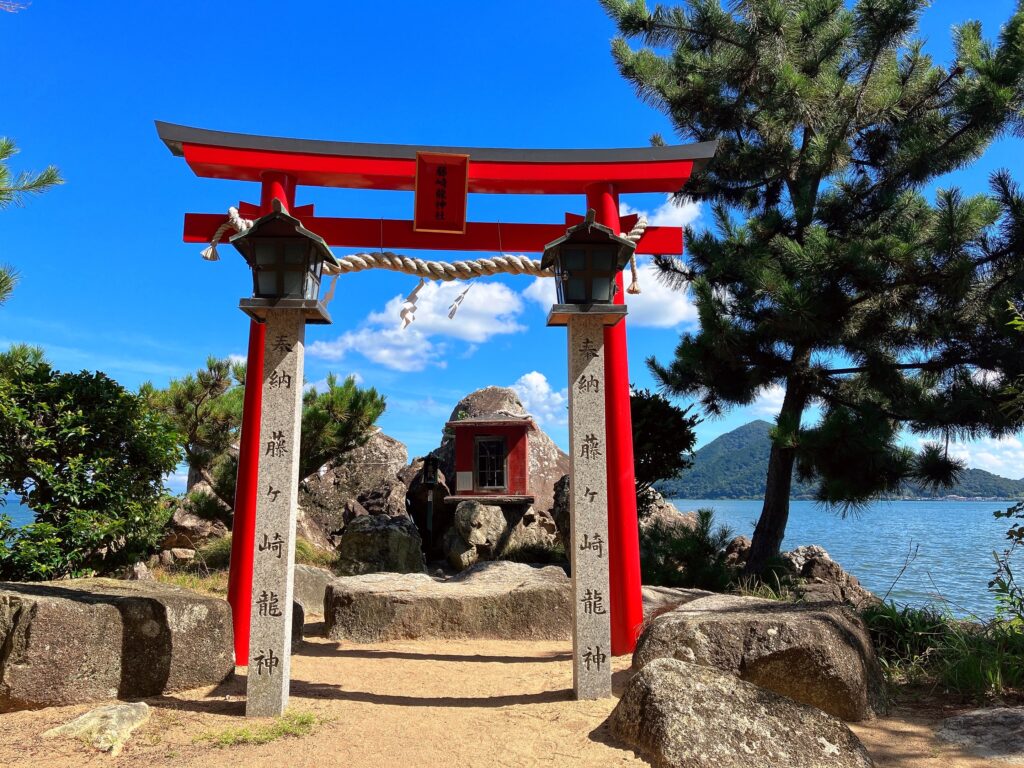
<point>737,551</point>
<point>188,531</point>
<point>996,733</point>
<point>310,586</point>
<point>534,529</point>
<point>326,496</point>
<point>139,572</point>
<point>298,622</point>
<point>679,714</point>
<point>76,641</point>
<point>819,655</point>
<point>460,554</point>
<point>659,600</point>
<point>481,525</point>
<point>377,543</point>
<point>511,601</point>
<point>387,498</point>
<point>820,579</point>
<point>106,728</point>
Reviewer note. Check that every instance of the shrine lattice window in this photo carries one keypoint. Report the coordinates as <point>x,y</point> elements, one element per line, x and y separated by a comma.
<point>490,463</point>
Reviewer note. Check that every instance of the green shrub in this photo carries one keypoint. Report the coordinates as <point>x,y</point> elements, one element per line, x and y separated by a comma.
<point>680,556</point>
<point>917,645</point>
<point>89,458</point>
<point>216,554</point>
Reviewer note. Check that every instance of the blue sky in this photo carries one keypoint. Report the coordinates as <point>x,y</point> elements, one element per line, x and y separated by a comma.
<point>106,282</point>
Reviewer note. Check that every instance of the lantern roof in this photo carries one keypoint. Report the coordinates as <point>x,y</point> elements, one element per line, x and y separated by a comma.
<point>279,223</point>
<point>587,232</point>
<point>494,420</point>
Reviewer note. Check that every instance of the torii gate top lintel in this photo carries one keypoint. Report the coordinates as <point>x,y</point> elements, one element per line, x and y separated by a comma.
<point>245,157</point>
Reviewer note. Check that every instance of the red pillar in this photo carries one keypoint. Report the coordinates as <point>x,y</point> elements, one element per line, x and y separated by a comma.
<point>243,529</point>
<point>626,601</point>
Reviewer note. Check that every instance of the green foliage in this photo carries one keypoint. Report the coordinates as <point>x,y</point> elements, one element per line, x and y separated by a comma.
<point>89,458</point>
<point>215,554</point>
<point>15,188</point>
<point>8,279</point>
<point>206,410</point>
<point>207,506</point>
<point>922,645</point>
<point>828,274</point>
<point>681,556</point>
<point>336,421</point>
<point>663,438</point>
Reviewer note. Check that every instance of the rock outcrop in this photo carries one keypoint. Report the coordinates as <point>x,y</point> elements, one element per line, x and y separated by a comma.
<point>366,479</point>
<point>310,587</point>
<point>186,530</point>
<point>377,543</point>
<point>70,642</point>
<point>510,601</point>
<point>678,714</point>
<point>816,654</point>
<point>820,579</point>
<point>996,733</point>
<point>481,532</point>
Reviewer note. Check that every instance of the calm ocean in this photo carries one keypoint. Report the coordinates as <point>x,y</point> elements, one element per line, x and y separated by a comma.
<point>954,541</point>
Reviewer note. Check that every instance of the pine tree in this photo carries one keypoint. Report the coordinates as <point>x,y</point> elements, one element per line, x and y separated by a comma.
<point>13,190</point>
<point>828,273</point>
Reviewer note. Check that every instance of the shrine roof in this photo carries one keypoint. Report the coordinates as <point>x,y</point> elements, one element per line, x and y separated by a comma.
<point>315,162</point>
<point>494,421</point>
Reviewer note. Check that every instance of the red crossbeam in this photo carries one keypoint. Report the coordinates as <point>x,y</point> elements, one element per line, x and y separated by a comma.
<point>394,234</point>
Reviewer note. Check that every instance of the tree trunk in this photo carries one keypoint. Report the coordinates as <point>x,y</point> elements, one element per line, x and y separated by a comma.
<point>771,526</point>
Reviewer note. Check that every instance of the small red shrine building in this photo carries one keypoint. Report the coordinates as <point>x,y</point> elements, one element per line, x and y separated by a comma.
<point>491,459</point>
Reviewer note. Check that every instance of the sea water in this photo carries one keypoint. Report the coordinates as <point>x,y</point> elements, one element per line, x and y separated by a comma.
<point>949,545</point>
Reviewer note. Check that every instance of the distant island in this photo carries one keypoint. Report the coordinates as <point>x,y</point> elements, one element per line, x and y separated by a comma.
<point>733,466</point>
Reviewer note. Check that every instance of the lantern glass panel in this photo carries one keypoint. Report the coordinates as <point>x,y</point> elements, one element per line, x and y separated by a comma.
<point>295,251</point>
<point>602,260</point>
<point>266,253</point>
<point>292,283</point>
<point>574,259</point>
<point>602,288</point>
<point>266,282</point>
<point>576,290</point>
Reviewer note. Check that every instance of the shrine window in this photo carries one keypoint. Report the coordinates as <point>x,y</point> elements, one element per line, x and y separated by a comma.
<point>490,463</point>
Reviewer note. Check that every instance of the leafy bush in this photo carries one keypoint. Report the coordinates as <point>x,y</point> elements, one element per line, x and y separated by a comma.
<point>216,554</point>
<point>917,645</point>
<point>89,458</point>
<point>681,556</point>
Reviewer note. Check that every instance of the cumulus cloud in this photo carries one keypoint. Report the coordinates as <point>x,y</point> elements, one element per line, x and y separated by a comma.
<point>656,306</point>
<point>999,455</point>
<point>548,406</point>
<point>668,214</point>
<point>769,402</point>
<point>488,309</point>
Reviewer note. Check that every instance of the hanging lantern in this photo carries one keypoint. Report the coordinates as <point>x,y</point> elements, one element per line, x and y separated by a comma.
<point>586,260</point>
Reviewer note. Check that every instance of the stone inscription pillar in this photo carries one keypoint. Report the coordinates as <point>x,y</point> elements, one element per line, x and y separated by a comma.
<point>588,509</point>
<point>277,497</point>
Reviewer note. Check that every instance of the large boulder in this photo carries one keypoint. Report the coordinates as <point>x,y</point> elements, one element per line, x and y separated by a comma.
<point>819,655</point>
<point>186,530</point>
<point>546,462</point>
<point>502,600</point>
<point>996,733</point>
<point>482,531</point>
<point>367,475</point>
<point>820,579</point>
<point>560,509</point>
<point>376,543</point>
<point>310,587</point>
<point>678,714</point>
<point>70,642</point>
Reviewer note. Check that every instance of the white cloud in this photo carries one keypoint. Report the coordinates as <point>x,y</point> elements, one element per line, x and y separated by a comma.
<point>488,309</point>
<point>769,402</point>
<point>999,455</point>
<point>656,306</point>
<point>238,359</point>
<point>546,405</point>
<point>668,214</point>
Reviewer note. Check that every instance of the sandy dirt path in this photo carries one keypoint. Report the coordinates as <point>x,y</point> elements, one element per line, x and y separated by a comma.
<point>405,705</point>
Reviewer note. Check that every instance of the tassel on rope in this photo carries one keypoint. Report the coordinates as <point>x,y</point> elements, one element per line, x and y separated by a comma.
<point>233,221</point>
<point>634,287</point>
<point>330,291</point>
<point>408,313</point>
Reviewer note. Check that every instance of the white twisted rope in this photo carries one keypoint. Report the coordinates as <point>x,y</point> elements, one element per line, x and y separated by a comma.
<point>233,221</point>
<point>433,270</point>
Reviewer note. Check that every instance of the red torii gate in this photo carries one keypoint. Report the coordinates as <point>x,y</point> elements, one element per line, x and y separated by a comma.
<point>280,165</point>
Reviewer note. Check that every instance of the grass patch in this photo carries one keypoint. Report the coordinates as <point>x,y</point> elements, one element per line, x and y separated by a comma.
<point>211,582</point>
<point>289,725</point>
<point>926,646</point>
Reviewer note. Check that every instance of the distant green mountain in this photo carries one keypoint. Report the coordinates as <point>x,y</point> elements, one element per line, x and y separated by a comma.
<point>733,466</point>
